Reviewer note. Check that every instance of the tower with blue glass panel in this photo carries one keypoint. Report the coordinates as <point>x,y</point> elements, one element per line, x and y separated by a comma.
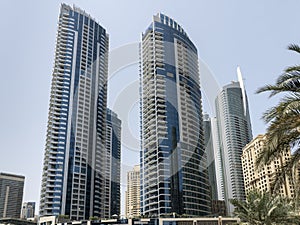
<point>75,142</point>
<point>174,175</point>
<point>112,165</point>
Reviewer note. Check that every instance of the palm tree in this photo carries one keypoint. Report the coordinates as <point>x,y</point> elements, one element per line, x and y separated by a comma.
<point>264,208</point>
<point>283,121</point>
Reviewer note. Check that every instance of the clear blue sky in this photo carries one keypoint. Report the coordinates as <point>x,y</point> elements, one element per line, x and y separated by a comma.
<point>252,34</point>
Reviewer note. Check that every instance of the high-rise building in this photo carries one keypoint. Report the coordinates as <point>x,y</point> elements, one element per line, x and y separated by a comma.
<point>75,143</point>
<point>262,178</point>
<point>218,207</point>
<point>132,208</point>
<point>234,132</point>
<point>111,186</point>
<point>28,210</point>
<point>217,160</point>
<point>211,158</point>
<point>214,161</point>
<point>11,195</point>
<point>174,177</point>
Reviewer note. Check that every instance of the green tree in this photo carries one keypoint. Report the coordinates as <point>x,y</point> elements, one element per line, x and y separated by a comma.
<point>265,209</point>
<point>283,120</point>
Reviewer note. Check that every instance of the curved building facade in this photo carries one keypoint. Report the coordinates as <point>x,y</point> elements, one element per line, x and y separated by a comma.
<point>234,133</point>
<point>173,164</point>
<point>75,142</point>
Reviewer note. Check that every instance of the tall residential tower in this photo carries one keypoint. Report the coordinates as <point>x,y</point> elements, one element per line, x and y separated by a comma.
<point>234,132</point>
<point>75,143</point>
<point>111,186</point>
<point>174,175</point>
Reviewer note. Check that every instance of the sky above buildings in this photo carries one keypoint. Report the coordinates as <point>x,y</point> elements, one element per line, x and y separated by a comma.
<point>251,34</point>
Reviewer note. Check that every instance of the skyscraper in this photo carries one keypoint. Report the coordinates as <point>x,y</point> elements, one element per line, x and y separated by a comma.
<point>209,149</point>
<point>218,207</point>
<point>173,165</point>
<point>75,143</point>
<point>217,159</point>
<point>133,197</point>
<point>111,186</point>
<point>234,132</point>
<point>11,195</point>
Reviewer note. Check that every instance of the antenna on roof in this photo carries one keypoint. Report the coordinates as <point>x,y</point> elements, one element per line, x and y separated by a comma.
<point>242,86</point>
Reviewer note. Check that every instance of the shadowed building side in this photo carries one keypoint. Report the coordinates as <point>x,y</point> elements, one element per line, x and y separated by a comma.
<point>111,193</point>
<point>11,195</point>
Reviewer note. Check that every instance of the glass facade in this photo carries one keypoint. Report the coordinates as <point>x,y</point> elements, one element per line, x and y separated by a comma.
<point>234,132</point>
<point>211,157</point>
<point>173,164</point>
<point>75,142</point>
<point>111,192</point>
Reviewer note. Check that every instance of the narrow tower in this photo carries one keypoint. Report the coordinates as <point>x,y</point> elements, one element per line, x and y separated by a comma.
<point>234,132</point>
<point>112,159</point>
<point>173,164</point>
<point>75,143</point>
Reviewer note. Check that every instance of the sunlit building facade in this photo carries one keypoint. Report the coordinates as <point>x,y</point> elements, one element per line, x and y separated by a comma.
<point>234,132</point>
<point>174,176</point>
<point>133,203</point>
<point>262,178</point>
<point>75,142</point>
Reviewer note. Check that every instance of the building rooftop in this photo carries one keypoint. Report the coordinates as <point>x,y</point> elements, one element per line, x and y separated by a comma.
<point>9,175</point>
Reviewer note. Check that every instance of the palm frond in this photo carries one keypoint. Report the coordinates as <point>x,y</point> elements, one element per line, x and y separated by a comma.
<point>285,172</point>
<point>294,47</point>
<point>292,68</point>
<point>288,106</point>
<point>265,208</point>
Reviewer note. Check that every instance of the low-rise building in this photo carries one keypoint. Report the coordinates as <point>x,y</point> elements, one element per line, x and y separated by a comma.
<point>11,195</point>
<point>262,178</point>
<point>28,210</point>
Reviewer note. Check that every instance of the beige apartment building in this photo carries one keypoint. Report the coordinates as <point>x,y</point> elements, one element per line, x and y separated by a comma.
<point>261,179</point>
<point>133,208</point>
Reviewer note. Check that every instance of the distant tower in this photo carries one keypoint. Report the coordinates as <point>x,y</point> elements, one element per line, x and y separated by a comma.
<point>217,159</point>
<point>214,163</point>
<point>111,186</point>
<point>11,195</point>
<point>132,207</point>
<point>75,144</point>
<point>28,210</point>
<point>211,158</point>
<point>234,132</point>
<point>174,175</point>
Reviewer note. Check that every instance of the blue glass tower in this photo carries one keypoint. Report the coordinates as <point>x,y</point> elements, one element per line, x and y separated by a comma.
<point>75,143</point>
<point>174,176</point>
<point>112,169</point>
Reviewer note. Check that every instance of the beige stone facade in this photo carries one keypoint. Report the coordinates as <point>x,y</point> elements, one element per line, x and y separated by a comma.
<point>261,179</point>
<point>133,208</point>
